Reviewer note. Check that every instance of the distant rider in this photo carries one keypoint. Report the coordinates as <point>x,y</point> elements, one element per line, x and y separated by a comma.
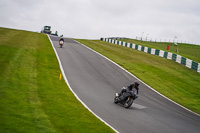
<point>132,87</point>
<point>61,39</point>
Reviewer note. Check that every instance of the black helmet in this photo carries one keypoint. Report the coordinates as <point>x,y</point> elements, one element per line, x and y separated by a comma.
<point>137,83</point>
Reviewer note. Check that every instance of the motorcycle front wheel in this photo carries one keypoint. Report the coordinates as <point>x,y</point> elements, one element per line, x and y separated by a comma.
<point>116,100</point>
<point>128,102</point>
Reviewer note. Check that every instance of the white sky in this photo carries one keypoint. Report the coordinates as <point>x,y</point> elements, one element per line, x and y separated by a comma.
<point>93,19</point>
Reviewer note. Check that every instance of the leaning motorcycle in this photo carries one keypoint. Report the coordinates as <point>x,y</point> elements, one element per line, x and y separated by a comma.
<point>126,99</point>
<point>61,43</point>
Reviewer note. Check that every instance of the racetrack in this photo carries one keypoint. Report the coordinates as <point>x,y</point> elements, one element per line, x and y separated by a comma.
<point>96,80</point>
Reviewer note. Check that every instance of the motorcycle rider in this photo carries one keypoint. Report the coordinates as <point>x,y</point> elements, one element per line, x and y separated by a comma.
<point>61,39</point>
<point>61,42</point>
<point>132,87</point>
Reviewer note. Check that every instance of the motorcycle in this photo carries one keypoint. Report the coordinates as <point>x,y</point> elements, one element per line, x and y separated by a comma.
<point>126,98</point>
<point>61,43</point>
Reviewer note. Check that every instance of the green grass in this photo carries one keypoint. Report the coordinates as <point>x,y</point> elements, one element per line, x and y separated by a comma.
<point>32,98</point>
<point>186,50</point>
<point>174,80</point>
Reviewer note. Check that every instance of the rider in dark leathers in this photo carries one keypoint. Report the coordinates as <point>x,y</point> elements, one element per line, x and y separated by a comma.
<point>61,39</point>
<point>132,87</point>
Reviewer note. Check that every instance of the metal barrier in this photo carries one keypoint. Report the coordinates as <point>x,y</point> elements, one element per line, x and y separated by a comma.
<point>168,55</point>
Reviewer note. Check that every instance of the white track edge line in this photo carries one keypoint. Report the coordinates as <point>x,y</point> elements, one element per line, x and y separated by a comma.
<point>140,80</point>
<point>64,76</point>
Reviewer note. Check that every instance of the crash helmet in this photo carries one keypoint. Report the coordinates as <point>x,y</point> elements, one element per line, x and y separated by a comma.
<point>137,83</point>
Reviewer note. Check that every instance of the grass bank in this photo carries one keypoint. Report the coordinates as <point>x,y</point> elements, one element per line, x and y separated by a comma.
<point>175,81</point>
<point>33,99</point>
<point>186,50</point>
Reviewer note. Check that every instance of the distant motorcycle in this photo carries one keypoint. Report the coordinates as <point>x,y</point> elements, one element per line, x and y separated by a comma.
<point>61,43</point>
<point>126,98</point>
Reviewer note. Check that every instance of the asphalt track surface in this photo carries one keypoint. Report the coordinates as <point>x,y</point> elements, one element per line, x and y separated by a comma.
<point>96,80</point>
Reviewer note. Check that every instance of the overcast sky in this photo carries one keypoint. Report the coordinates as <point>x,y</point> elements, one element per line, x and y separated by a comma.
<point>92,19</point>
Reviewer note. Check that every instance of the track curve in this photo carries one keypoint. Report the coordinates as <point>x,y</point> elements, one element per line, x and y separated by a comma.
<point>96,80</point>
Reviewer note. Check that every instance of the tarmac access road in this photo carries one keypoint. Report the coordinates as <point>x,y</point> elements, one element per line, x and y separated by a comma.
<point>96,80</point>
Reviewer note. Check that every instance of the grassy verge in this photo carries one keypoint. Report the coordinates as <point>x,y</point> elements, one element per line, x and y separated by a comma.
<point>33,99</point>
<point>186,50</point>
<point>175,81</point>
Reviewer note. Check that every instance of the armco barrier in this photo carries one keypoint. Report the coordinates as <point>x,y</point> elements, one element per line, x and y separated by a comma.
<point>168,55</point>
